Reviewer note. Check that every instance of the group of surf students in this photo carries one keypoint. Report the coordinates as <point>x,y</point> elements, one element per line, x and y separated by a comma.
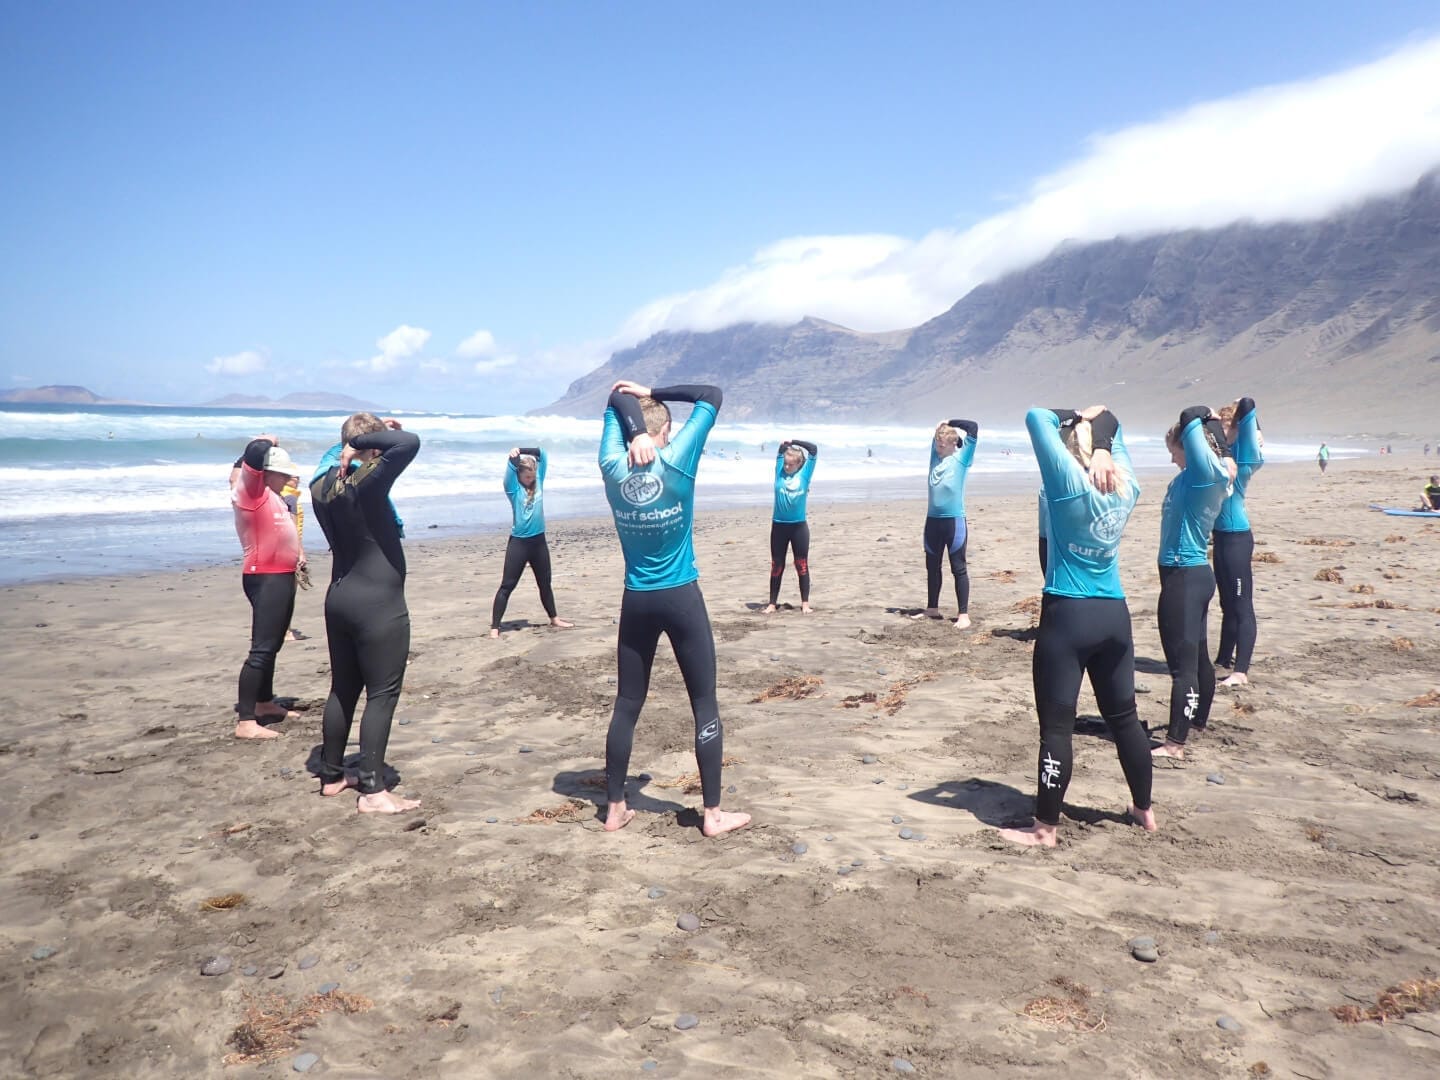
<point>648,466</point>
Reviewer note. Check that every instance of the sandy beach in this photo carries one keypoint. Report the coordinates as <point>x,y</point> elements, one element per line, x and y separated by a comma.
<point>499,932</point>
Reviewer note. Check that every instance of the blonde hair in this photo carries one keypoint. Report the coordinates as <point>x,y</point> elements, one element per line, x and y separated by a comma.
<point>361,423</point>
<point>1227,412</point>
<point>656,413</point>
<point>1080,441</point>
<point>527,461</point>
<point>945,433</point>
<point>1172,438</point>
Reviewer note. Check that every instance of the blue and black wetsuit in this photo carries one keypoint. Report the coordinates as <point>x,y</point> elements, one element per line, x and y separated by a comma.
<point>789,527</point>
<point>945,527</point>
<point>654,508</point>
<point>1234,547</point>
<point>1084,620</point>
<point>366,620</point>
<point>1192,503</point>
<point>527,545</point>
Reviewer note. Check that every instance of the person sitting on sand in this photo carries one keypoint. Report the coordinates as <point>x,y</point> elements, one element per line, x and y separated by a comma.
<point>1090,490</point>
<point>1430,494</point>
<point>272,553</point>
<point>1192,503</point>
<point>794,465</point>
<point>1234,544</point>
<point>951,453</point>
<point>650,484</point>
<point>367,621</point>
<point>524,486</point>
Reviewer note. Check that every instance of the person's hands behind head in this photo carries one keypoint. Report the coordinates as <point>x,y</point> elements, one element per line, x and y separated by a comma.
<point>1104,473</point>
<point>642,448</point>
<point>391,423</point>
<point>634,389</point>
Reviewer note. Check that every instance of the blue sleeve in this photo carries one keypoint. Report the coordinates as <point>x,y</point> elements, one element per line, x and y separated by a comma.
<point>967,452</point>
<point>779,462</point>
<point>1247,440</point>
<point>1060,472</point>
<point>683,453</point>
<point>1201,464</point>
<point>808,469</point>
<point>614,456</point>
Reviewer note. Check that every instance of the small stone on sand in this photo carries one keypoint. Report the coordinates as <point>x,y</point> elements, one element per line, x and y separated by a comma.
<point>307,962</point>
<point>845,871</point>
<point>900,1065</point>
<point>1146,954</point>
<point>730,790</point>
<point>305,1062</point>
<point>656,892</point>
<point>353,966</point>
<point>250,970</point>
<point>830,836</point>
<point>527,750</point>
<point>869,759</point>
<point>686,1021</point>
<point>897,820</point>
<point>404,721</point>
<point>436,739</point>
<point>906,834</point>
<point>216,965</point>
<point>1228,1023</point>
<point>1215,778</point>
<point>491,820</point>
<point>688,921</point>
<point>43,952</point>
<point>800,848</point>
<point>325,988</point>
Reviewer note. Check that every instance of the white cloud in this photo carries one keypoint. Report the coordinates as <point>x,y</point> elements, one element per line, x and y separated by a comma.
<point>400,344</point>
<point>435,367</point>
<point>479,344</point>
<point>495,363</point>
<point>249,362</point>
<point>1290,152</point>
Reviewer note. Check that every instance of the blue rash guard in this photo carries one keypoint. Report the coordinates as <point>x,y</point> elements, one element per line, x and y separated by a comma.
<point>793,489</point>
<point>654,506</point>
<point>527,510</point>
<point>1248,461</point>
<point>1193,499</point>
<point>947,474</point>
<point>1084,526</point>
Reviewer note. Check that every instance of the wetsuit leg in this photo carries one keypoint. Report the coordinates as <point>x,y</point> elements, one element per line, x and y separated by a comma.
<point>1185,593</point>
<point>383,647</point>
<point>800,544</point>
<point>1111,667</point>
<point>272,602</point>
<point>515,558</point>
<point>779,540</point>
<point>687,624</point>
<point>346,682</point>
<point>958,568</point>
<point>634,655</point>
<point>1220,555</point>
<point>939,532</point>
<point>1237,591</point>
<point>540,564</point>
<point>1056,669</point>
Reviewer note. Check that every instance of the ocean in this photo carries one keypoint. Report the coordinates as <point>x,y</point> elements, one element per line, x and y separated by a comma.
<point>103,489</point>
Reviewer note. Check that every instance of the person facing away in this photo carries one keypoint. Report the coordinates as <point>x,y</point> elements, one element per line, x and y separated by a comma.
<point>367,622</point>
<point>271,542</point>
<point>649,472</point>
<point>794,466</point>
<point>524,486</point>
<point>952,452</point>
<point>1090,489</point>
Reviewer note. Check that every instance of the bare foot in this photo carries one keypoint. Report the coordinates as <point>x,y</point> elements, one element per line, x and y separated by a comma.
<point>1168,749</point>
<point>270,711</point>
<point>1037,835</point>
<point>962,622</point>
<point>805,607</point>
<point>718,822</point>
<point>335,787</point>
<point>495,633</point>
<point>563,624</point>
<point>928,613</point>
<point>251,729</point>
<point>769,609</point>
<point>384,802</point>
<point>1144,818</point>
<point>1239,678</point>
<point>618,817</point>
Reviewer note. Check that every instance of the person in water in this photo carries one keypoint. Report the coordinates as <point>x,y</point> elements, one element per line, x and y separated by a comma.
<point>524,483</point>
<point>1090,488</point>
<point>649,472</point>
<point>794,465</point>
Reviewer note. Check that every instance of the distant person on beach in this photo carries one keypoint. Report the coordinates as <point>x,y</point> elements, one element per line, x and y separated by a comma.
<point>1192,503</point>
<point>524,484</point>
<point>794,465</point>
<point>650,483</point>
<point>1234,544</point>
<point>951,453</point>
<point>1430,494</point>
<point>272,553</point>
<point>1084,620</point>
<point>1323,458</point>
<point>366,619</point>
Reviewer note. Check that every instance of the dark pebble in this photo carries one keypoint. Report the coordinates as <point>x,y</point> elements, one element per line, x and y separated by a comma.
<point>857,862</point>
<point>845,871</point>
<point>897,820</point>
<point>404,721</point>
<point>774,659</point>
<point>249,971</point>
<point>307,962</point>
<point>216,965</point>
<point>1147,956</point>
<point>645,777</point>
<point>900,1065</point>
<point>906,834</point>
<point>34,836</point>
<point>1141,943</point>
<point>878,780</point>
<point>44,952</point>
<point>730,790</point>
<point>527,750</point>
<point>686,1021</point>
<point>800,848</point>
<point>1228,1023</point>
<point>491,820</point>
<point>305,1062</point>
<point>1215,778</point>
<point>656,892</point>
<point>275,972</point>
<point>881,671</point>
<point>436,739</point>
<point>688,921</point>
<point>869,759</point>
<point>325,988</point>
<point>286,773</point>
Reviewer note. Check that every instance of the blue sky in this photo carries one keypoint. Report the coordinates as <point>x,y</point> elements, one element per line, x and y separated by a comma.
<point>465,206</point>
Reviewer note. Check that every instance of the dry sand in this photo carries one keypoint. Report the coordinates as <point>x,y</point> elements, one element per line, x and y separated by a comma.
<point>495,944</point>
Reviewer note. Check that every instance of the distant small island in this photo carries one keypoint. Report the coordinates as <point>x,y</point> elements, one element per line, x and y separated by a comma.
<point>79,395</point>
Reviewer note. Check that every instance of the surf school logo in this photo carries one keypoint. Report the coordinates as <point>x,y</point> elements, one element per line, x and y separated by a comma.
<point>641,489</point>
<point>1109,525</point>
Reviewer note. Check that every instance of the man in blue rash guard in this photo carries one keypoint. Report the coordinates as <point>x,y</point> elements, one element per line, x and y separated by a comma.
<point>794,465</point>
<point>1090,490</point>
<point>524,487</point>
<point>1192,503</point>
<point>651,489</point>
<point>1234,545</point>
<point>951,454</point>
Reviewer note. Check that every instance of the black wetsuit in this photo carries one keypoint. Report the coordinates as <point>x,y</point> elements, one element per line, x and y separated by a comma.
<point>366,620</point>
